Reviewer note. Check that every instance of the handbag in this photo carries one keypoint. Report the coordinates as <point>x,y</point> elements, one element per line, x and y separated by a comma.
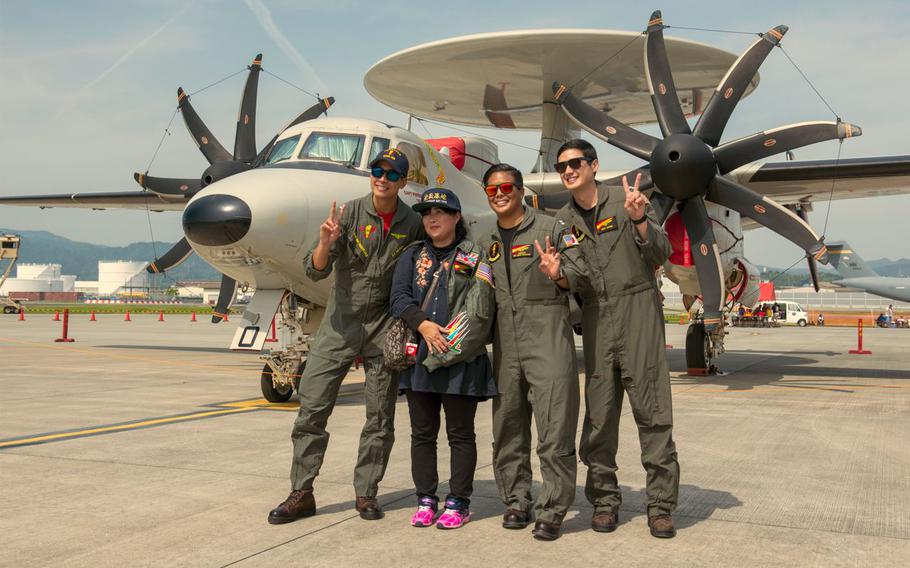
<point>400,348</point>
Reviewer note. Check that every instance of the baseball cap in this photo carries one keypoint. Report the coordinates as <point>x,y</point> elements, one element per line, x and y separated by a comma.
<point>395,158</point>
<point>438,197</point>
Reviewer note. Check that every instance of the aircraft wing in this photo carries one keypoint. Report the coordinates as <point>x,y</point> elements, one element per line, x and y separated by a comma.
<point>129,200</point>
<point>792,182</point>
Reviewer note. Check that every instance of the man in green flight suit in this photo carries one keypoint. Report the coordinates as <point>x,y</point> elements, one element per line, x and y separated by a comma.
<point>361,241</point>
<point>533,262</point>
<point>623,329</point>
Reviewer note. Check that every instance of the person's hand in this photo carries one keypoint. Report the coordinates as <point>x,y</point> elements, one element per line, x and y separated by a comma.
<point>636,203</point>
<point>549,259</point>
<point>330,230</point>
<point>433,334</point>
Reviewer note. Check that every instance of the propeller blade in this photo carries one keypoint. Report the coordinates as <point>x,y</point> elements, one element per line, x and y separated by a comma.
<point>495,99</point>
<point>178,253</point>
<point>707,259</point>
<point>662,205</point>
<point>660,81</point>
<point>803,214</point>
<point>225,299</point>
<point>309,114</point>
<point>245,138</point>
<point>710,127</point>
<point>760,145</point>
<point>767,213</point>
<point>210,147</point>
<point>603,125</point>
<point>168,186</point>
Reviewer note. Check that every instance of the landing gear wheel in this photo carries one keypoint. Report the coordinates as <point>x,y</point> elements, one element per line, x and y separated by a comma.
<point>279,394</point>
<point>697,348</point>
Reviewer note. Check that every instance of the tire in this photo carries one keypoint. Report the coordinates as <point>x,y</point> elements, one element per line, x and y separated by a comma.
<point>802,323</point>
<point>696,347</point>
<point>269,392</point>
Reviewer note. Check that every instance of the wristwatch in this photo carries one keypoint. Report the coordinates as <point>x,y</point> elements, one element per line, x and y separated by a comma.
<point>639,221</point>
<point>560,276</point>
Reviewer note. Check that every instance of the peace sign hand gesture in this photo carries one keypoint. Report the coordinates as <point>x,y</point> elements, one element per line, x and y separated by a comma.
<point>330,230</point>
<point>636,203</point>
<point>549,259</point>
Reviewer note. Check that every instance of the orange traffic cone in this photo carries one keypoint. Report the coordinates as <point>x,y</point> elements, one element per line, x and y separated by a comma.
<point>56,316</point>
<point>93,316</point>
<point>226,317</point>
<point>127,318</point>
<point>194,317</point>
<point>21,314</point>
<point>161,315</point>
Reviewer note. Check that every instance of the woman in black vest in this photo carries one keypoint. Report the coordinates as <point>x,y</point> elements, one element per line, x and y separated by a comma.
<point>453,372</point>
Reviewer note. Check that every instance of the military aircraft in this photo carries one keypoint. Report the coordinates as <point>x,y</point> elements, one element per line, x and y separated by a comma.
<point>857,274</point>
<point>252,214</point>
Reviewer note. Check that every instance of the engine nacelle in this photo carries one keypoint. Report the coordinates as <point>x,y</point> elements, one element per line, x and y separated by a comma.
<point>744,283</point>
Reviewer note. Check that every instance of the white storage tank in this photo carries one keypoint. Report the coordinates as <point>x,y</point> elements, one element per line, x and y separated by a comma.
<point>121,274</point>
<point>38,271</point>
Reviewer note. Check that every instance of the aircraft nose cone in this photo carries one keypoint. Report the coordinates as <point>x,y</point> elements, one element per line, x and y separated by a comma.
<point>216,220</point>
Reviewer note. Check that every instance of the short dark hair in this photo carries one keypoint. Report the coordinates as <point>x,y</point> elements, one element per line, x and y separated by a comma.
<point>516,175</point>
<point>578,144</point>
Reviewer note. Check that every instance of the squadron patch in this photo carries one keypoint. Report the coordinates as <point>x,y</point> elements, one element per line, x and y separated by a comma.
<point>578,233</point>
<point>485,273</point>
<point>521,251</point>
<point>495,251</point>
<point>606,225</point>
<point>467,258</point>
<point>367,230</point>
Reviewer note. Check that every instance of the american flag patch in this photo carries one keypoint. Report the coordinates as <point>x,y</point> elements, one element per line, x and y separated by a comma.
<point>467,258</point>
<point>569,240</point>
<point>485,272</point>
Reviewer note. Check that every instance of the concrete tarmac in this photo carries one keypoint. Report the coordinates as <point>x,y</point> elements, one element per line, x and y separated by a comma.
<point>147,444</point>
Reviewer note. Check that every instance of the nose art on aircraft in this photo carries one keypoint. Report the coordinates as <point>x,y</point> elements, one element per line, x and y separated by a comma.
<point>216,220</point>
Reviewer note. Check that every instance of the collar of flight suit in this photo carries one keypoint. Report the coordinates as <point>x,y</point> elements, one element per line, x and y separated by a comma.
<point>604,195</point>
<point>400,212</point>
<point>528,218</point>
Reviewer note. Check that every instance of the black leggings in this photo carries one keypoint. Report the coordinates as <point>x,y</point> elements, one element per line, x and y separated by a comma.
<point>424,410</point>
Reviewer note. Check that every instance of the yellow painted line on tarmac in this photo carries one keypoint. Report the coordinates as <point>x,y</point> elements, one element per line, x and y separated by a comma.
<point>108,429</point>
<point>778,388</point>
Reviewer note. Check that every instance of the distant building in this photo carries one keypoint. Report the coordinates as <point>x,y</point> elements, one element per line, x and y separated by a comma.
<point>33,280</point>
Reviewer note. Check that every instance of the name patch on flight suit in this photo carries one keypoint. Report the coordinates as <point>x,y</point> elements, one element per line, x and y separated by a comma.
<point>521,251</point>
<point>578,234</point>
<point>606,225</point>
<point>495,251</point>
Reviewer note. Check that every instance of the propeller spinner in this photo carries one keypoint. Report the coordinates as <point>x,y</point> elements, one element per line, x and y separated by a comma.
<point>687,165</point>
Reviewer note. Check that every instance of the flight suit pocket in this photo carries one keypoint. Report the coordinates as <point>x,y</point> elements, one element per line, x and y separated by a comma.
<point>651,399</point>
<point>540,287</point>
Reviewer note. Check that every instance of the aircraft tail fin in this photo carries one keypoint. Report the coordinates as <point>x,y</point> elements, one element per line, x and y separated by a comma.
<point>847,262</point>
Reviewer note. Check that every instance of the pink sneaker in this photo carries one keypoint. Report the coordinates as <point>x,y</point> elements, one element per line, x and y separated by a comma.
<point>455,515</point>
<point>426,512</point>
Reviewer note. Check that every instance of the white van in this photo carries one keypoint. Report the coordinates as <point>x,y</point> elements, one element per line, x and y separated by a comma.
<point>788,313</point>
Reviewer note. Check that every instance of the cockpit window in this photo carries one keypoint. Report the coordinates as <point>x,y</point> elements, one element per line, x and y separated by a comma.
<point>283,149</point>
<point>334,147</point>
<point>378,146</point>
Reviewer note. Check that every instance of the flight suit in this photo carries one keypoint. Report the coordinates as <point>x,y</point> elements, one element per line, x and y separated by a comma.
<point>623,327</point>
<point>355,322</point>
<point>535,368</point>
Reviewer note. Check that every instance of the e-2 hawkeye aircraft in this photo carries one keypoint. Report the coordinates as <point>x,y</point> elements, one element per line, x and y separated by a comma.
<point>252,215</point>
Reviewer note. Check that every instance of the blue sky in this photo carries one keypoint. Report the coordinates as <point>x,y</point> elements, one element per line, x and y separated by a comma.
<point>88,88</point>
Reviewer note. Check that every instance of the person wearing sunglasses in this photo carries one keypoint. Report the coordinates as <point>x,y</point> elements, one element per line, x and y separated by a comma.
<point>442,291</point>
<point>623,325</point>
<point>535,262</point>
<point>360,241</point>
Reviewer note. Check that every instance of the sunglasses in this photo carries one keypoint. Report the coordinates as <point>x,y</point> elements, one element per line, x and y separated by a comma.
<point>390,175</point>
<point>505,188</point>
<point>574,163</point>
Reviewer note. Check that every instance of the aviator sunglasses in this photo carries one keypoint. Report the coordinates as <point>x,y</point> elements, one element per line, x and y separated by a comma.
<point>574,163</point>
<point>505,188</point>
<point>390,175</point>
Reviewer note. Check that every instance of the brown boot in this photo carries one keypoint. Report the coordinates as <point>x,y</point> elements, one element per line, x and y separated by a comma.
<point>369,508</point>
<point>299,504</point>
<point>545,530</point>
<point>662,526</point>
<point>604,521</point>
<point>515,519</point>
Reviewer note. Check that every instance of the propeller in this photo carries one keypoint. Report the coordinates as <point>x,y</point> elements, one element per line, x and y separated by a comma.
<point>802,210</point>
<point>687,165</point>
<point>222,164</point>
